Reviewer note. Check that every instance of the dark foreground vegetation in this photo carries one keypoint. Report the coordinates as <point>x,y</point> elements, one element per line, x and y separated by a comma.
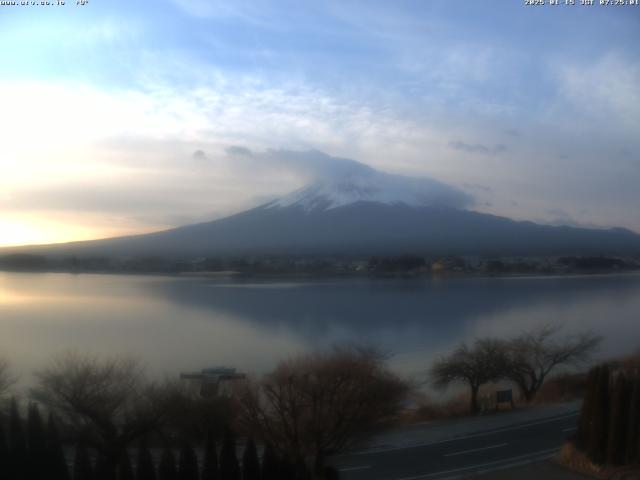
<point>399,265</point>
<point>107,422</point>
<point>608,434</point>
<point>525,361</point>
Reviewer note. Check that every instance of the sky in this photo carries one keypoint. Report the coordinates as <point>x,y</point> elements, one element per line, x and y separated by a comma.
<point>126,117</point>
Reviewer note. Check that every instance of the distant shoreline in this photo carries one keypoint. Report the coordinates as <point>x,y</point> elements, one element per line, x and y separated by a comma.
<point>247,275</point>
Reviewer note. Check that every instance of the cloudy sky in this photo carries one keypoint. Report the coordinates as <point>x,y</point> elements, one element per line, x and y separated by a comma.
<point>120,117</point>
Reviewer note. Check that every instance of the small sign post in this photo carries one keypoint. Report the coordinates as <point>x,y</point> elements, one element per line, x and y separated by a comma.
<point>503,396</point>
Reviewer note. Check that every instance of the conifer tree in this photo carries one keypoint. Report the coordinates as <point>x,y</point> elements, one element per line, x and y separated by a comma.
<point>37,445</point>
<point>331,473</point>
<point>125,469</point>
<point>188,464</point>
<point>17,445</point>
<point>82,468</point>
<point>597,447</point>
<point>4,453</point>
<point>269,463</point>
<point>102,469</point>
<point>167,469</point>
<point>586,412</point>
<point>250,463</point>
<point>210,467</point>
<point>145,468</point>
<point>56,460</point>
<point>617,437</point>
<point>286,469</point>
<point>632,455</point>
<point>229,467</point>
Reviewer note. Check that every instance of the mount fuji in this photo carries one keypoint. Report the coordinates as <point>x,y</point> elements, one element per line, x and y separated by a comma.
<point>359,211</point>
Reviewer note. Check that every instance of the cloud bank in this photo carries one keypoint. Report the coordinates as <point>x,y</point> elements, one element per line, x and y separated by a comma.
<point>116,120</point>
<point>324,170</point>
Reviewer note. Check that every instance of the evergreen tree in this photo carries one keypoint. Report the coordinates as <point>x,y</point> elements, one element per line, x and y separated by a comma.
<point>145,468</point>
<point>167,469</point>
<point>586,412</point>
<point>597,447</point>
<point>82,468</point>
<point>269,463</point>
<point>229,467</point>
<point>103,470</point>
<point>188,463</point>
<point>17,444</point>
<point>37,445</point>
<point>632,455</point>
<point>286,469</point>
<point>210,467</point>
<point>56,460</point>
<point>250,463</point>
<point>125,470</point>
<point>617,437</point>
<point>4,453</point>
<point>331,473</point>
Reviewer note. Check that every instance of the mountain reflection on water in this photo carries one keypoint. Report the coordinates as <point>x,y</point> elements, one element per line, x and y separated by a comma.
<point>175,323</point>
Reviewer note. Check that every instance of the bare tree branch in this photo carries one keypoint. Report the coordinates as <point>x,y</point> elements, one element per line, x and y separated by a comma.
<point>6,379</point>
<point>318,404</point>
<point>483,362</point>
<point>533,355</point>
<point>106,398</point>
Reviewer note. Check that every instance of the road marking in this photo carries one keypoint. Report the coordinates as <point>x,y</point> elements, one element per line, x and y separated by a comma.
<point>476,450</point>
<point>352,469</point>
<point>504,463</point>
<point>373,451</point>
<point>570,429</point>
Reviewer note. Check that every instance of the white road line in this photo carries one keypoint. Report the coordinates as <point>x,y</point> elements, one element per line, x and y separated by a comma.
<point>352,469</point>
<point>475,450</point>
<point>373,451</point>
<point>505,462</point>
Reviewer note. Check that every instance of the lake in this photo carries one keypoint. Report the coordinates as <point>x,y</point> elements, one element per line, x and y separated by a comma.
<point>176,324</point>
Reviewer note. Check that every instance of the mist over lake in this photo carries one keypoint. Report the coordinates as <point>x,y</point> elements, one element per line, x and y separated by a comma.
<point>175,324</point>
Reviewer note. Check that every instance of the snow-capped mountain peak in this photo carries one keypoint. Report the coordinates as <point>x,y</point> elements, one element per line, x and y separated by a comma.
<point>369,185</point>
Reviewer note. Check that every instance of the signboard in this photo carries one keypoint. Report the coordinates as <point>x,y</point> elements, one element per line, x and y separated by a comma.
<point>504,396</point>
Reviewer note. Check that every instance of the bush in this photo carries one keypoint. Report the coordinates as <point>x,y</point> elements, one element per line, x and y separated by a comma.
<point>599,425</point>
<point>210,467</point>
<point>633,435</point>
<point>250,464</point>
<point>56,462</point>
<point>229,467</point>
<point>167,469</point>
<point>609,423</point>
<point>82,468</point>
<point>617,436</point>
<point>125,470</point>
<point>145,469</point>
<point>338,396</point>
<point>188,465</point>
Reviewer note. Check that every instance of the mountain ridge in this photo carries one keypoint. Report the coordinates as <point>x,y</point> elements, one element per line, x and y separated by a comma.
<point>365,228</point>
<point>360,212</point>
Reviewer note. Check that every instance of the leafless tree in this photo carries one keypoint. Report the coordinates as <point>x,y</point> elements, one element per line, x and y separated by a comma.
<point>483,362</point>
<point>6,379</point>
<point>107,399</point>
<point>533,355</point>
<point>186,413</point>
<point>319,404</point>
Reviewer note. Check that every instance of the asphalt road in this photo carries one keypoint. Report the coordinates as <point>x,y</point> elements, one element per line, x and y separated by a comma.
<point>477,453</point>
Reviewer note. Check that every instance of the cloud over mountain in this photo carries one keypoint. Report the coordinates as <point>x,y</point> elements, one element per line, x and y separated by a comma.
<point>334,181</point>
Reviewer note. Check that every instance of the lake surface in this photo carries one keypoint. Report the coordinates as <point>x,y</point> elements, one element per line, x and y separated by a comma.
<point>175,324</point>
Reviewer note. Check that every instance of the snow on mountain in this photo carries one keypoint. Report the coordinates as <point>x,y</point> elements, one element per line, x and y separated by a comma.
<point>351,208</point>
<point>368,185</point>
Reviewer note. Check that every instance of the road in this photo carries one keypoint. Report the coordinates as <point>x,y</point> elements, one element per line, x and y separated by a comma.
<point>475,453</point>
